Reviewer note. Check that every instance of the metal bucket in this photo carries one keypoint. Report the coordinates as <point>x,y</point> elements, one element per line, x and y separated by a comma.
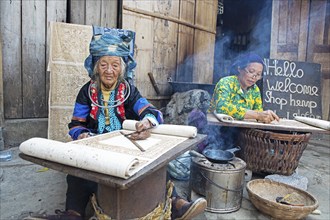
<point>220,184</point>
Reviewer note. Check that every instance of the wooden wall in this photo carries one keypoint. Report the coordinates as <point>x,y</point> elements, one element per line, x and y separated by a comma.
<point>174,41</point>
<point>300,32</point>
<point>24,28</point>
<point>93,12</point>
<point>24,31</point>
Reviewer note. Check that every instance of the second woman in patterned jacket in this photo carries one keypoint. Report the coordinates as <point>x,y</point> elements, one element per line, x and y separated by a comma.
<point>238,95</point>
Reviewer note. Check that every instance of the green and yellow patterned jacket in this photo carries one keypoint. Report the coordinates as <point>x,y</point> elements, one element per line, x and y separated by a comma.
<point>229,98</point>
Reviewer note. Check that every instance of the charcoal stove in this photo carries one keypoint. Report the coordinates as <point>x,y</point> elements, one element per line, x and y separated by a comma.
<point>220,183</point>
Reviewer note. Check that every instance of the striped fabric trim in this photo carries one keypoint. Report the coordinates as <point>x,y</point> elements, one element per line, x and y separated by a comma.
<point>144,108</point>
<point>79,119</point>
<point>141,105</point>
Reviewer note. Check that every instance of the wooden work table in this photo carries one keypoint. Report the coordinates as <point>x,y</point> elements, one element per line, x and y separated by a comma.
<point>282,125</point>
<point>128,198</point>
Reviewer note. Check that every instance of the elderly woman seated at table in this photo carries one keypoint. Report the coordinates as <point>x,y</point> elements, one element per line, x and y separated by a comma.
<point>102,105</point>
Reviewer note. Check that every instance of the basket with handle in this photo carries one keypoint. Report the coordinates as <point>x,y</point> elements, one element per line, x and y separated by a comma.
<point>272,152</point>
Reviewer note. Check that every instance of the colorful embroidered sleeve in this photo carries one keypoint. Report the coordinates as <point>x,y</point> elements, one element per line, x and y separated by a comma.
<point>228,98</point>
<point>81,111</point>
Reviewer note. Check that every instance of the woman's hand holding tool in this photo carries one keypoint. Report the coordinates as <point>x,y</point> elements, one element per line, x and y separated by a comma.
<point>142,130</point>
<point>267,116</point>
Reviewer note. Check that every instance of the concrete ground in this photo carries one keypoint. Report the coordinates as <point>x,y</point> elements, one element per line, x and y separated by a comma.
<point>27,187</point>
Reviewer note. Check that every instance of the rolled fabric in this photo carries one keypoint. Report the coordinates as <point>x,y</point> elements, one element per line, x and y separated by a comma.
<point>81,156</point>
<point>223,117</point>
<point>166,129</point>
<point>314,122</point>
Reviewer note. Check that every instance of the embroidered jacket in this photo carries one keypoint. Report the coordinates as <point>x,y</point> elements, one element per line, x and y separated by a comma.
<point>229,98</point>
<point>87,116</point>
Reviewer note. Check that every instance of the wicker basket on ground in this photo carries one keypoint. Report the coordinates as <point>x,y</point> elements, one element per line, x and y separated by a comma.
<point>263,194</point>
<point>272,152</point>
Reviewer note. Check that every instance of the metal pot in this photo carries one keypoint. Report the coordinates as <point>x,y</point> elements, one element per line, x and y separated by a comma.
<point>220,156</point>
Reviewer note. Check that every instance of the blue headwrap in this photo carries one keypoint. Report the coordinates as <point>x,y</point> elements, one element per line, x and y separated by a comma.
<point>244,60</point>
<point>111,42</point>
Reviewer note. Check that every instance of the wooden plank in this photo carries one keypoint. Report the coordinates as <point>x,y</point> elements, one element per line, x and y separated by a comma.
<point>143,27</point>
<point>283,125</point>
<point>164,55</point>
<point>318,27</point>
<point>290,25</point>
<point>203,57</point>
<point>144,60</point>
<point>145,5</point>
<point>187,11</point>
<point>204,43</point>
<point>56,12</point>
<point>283,21</point>
<point>2,117</point>
<point>206,14</point>
<point>325,99</point>
<point>287,48</point>
<point>294,17</point>
<point>185,60</point>
<point>323,59</point>
<point>33,59</point>
<point>156,41</point>
<point>319,8</point>
<point>275,24</point>
<point>10,30</point>
<point>93,12</point>
<point>78,11</point>
<point>169,18</point>
<point>109,14</point>
<point>184,70</point>
<point>167,8</point>
<point>326,39</point>
<point>303,34</point>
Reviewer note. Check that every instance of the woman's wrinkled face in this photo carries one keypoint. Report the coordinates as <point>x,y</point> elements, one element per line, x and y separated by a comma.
<point>250,74</point>
<point>109,69</point>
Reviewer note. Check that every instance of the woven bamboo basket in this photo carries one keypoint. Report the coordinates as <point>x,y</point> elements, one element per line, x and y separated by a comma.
<point>272,152</point>
<point>263,193</point>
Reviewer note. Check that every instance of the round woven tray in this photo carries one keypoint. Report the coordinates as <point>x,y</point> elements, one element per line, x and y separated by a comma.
<point>263,193</point>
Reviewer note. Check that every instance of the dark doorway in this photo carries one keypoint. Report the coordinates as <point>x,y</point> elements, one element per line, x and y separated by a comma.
<point>242,26</point>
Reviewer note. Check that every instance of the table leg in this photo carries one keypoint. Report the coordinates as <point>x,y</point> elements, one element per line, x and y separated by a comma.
<point>136,201</point>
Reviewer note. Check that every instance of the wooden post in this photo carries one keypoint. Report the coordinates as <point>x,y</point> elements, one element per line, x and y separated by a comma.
<point>2,119</point>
